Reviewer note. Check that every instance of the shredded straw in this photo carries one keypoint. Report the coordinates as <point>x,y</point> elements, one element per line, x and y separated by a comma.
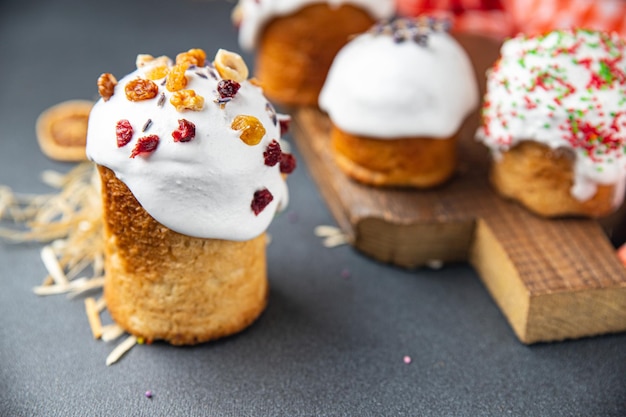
<point>332,236</point>
<point>93,315</point>
<point>121,349</point>
<point>111,332</point>
<point>70,223</point>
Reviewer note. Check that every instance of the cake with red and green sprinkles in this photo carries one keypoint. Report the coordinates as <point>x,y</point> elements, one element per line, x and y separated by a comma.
<point>554,119</point>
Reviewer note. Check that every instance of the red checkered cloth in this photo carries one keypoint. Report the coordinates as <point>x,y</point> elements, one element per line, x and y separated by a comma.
<point>486,17</point>
<point>539,16</point>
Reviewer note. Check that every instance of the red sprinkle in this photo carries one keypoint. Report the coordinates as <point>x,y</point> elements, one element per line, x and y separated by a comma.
<point>287,163</point>
<point>145,145</point>
<point>123,132</point>
<point>261,199</point>
<point>272,154</point>
<point>186,131</point>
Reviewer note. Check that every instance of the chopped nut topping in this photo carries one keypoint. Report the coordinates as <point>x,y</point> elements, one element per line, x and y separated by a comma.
<point>231,66</point>
<point>187,100</point>
<point>192,57</point>
<point>106,86</point>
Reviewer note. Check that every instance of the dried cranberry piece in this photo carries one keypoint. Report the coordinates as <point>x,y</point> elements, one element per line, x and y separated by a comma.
<point>186,131</point>
<point>261,199</point>
<point>285,123</point>
<point>272,153</point>
<point>227,88</point>
<point>145,145</point>
<point>123,132</point>
<point>287,163</point>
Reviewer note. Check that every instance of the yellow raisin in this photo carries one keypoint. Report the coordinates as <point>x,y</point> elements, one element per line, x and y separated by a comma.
<point>187,100</point>
<point>140,89</point>
<point>252,130</point>
<point>192,57</point>
<point>230,66</point>
<point>106,86</point>
<point>156,73</point>
<point>176,79</point>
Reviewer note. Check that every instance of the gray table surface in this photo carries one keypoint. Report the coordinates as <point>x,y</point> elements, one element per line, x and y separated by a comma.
<point>327,344</point>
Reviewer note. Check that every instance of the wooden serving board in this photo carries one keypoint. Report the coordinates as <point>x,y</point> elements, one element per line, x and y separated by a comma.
<point>553,279</point>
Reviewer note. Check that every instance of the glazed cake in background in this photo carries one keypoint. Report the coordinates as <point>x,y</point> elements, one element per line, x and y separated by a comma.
<point>192,175</point>
<point>295,41</point>
<point>397,97</point>
<point>554,118</point>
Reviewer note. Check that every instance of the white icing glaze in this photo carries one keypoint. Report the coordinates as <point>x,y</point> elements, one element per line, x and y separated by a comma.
<point>256,13</point>
<point>380,88</point>
<point>551,89</point>
<point>201,188</point>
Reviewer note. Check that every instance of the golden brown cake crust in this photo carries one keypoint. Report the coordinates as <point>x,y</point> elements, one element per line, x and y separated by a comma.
<point>414,162</point>
<point>160,284</point>
<point>540,178</point>
<point>296,51</point>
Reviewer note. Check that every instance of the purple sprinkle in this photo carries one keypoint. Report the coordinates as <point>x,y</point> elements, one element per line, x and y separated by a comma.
<point>161,100</point>
<point>148,394</point>
<point>202,75</point>
<point>213,74</point>
<point>224,100</point>
<point>271,112</point>
<point>147,125</point>
<point>164,81</point>
<point>421,39</point>
<point>192,66</point>
<point>398,37</point>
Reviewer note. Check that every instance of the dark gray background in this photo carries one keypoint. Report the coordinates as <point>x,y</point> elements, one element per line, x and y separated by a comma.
<point>327,345</point>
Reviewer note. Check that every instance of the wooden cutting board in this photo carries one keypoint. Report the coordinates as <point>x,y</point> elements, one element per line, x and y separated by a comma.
<point>553,279</point>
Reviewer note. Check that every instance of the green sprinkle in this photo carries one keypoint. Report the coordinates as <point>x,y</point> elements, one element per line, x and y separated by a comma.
<point>605,72</point>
